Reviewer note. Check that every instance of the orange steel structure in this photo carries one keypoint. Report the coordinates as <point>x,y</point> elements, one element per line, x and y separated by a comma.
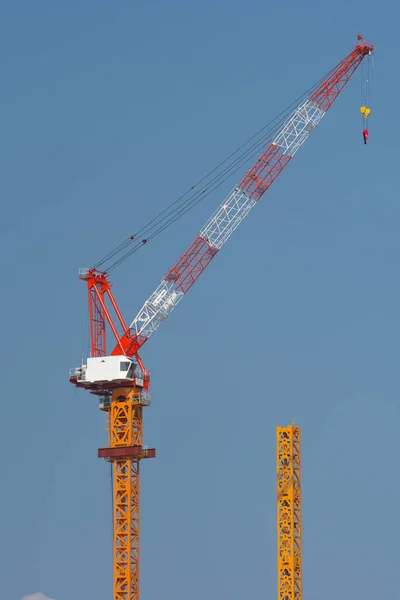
<point>125,451</point>
<point>289,513</point>
<point>119,377</point>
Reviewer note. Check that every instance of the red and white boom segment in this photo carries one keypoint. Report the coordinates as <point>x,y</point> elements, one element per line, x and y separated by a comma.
<point>238,203</point>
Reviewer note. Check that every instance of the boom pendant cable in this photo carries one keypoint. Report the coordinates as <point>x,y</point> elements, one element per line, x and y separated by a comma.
<point>179,207</point>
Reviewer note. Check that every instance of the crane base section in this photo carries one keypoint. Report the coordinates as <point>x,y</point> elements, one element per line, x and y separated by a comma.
<point>124,452</point>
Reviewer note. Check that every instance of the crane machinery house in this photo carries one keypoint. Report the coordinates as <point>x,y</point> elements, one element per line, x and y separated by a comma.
<point>108,369</point>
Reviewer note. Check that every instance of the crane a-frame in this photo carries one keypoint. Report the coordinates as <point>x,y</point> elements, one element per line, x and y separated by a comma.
<point>119,377</point>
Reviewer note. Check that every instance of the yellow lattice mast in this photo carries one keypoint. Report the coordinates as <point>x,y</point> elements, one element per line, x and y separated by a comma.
<point>124,410</point>
<point>289,513</point>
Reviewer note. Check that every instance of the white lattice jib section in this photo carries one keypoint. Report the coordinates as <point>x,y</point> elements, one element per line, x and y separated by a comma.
<point>227,218</point>
<point>156,309</point>
<point>297,129</point>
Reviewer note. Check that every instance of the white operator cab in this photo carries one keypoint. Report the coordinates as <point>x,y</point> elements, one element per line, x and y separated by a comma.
<point>109,369</point>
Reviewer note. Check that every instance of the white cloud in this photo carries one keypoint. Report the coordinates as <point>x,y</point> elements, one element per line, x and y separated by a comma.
<point>37,596</point>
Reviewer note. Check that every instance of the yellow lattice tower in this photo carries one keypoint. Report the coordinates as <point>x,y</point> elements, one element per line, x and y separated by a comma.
<point>125,424</point>
<point>289,513</point>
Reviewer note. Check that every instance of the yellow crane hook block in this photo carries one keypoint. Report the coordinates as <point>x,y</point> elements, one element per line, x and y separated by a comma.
<point>365,111</point>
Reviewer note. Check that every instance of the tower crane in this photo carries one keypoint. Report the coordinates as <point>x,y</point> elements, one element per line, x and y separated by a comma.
<point>119,377</point>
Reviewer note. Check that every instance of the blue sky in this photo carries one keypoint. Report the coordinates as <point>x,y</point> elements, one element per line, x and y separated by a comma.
<point>111,110</point>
